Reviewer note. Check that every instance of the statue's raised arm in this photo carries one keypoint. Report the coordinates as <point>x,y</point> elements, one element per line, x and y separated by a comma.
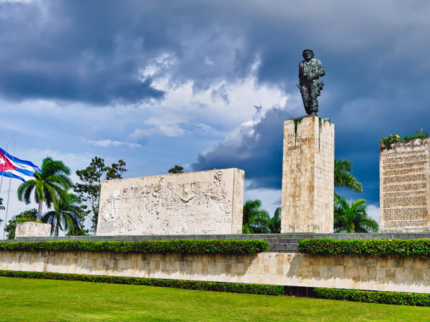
<point>310,70</point>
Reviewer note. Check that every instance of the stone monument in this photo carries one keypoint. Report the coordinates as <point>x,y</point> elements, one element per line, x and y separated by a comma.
<point>405,186</point>
<point>32,229</point>
<point>310,71</point>
<point>308,176</point>
<point>308,165</point>
<point>206,202</point>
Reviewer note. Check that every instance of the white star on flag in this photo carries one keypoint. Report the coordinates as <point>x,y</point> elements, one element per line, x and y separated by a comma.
<point>2,161</point>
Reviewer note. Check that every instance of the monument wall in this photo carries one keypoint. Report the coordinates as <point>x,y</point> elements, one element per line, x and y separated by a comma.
<point>379,273</point>
<point>32,229</point>
<point>205,202</point>
<point>405,186</point>
<point>308,175</point>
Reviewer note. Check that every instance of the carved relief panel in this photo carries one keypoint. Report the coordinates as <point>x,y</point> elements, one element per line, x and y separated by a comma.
<point>186,203</point>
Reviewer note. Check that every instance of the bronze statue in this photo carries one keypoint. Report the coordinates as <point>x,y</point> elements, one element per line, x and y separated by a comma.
<point>310,71</point>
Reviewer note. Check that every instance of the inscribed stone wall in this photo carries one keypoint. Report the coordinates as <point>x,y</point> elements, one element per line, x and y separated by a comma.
<point>404,186</point>
<point>32,229</point>
<point>206,202</point>
<point>379,273</point>
<point>308,176</point>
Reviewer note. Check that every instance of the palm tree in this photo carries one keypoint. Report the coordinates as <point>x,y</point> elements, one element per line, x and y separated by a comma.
<point>353,217</point>
<point>255,219</point>
<point>65,216</point>
<point>49,184</point>
<point>275,222</point>
<point>343,177</point>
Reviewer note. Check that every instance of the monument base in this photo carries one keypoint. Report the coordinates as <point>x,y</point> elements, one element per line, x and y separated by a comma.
<point>282,265</point>
<point>308,176</point>
<point>32,229</point>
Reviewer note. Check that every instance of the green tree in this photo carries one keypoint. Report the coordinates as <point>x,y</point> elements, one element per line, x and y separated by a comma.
<point>65,215</point>
<point>352,217</point>
<point>82,212</point>
<point>27,215</point>
<point>255,219</point>
<point>91,178</point>
<point>116,170</point>
<point>343,176</point>
<point>275,222</point>
<point>176,169</point>
<point>49,185</point>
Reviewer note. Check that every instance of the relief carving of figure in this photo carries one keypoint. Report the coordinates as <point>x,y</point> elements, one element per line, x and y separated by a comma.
<point>168,207</point>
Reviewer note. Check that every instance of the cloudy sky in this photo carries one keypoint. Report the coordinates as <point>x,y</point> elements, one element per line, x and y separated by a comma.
<point>207,84</point>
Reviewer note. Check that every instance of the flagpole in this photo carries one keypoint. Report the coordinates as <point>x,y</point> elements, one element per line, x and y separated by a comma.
<point>4,167</point>
<point>8,195</point>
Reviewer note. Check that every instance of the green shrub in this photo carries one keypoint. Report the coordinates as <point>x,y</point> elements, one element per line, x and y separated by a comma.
<point>191,285</point>
<point>150,246</point>
<point>397,298</point>
<point>395,138</point>
<point>20,220</point>
<point>383,247</point>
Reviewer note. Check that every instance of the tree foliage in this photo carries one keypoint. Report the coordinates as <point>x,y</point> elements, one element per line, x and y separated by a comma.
<point>352,217</point>
<point>81,212</point>
<point>275,222</point>
<point>343,176</point>
<point>255,219</point>
<point>27,215</point>
<point>176,169</point>
<point>49,185</point>
<point>65,215</point>
<point>91,178</point>
<point>116,170</point>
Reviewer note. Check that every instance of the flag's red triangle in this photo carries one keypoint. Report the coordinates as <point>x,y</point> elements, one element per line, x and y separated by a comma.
<point>5,163</point>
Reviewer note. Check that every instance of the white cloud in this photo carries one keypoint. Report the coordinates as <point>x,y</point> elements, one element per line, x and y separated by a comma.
<point>108,143</point>
<point>167,130</point>
<point>208,61</point>
<point>222,104</point>
<point>374,212</point>
<point>207,129</point>
<point>23,1</point>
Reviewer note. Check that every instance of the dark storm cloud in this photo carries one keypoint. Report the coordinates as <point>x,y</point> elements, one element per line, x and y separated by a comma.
<point>256,148</point>
<point>93,50</point>
<point>377,80</point>
<point>374,53</point>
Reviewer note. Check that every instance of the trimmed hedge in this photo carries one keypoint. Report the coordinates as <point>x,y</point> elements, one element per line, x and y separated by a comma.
<point>382,247</point>
<point>150,246</point>
<point>413,299</point>
<point>191,285</point>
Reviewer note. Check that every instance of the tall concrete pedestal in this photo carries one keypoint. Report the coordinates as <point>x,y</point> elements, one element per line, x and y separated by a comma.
<point>308,176</point>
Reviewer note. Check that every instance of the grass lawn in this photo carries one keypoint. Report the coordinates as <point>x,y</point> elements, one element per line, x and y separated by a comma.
<point>48,300</point>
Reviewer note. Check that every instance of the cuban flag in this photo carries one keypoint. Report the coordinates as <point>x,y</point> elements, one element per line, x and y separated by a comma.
<point>13,167</point>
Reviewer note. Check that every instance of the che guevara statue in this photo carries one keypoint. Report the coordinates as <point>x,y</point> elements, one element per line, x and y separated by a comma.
<point>310,70</point>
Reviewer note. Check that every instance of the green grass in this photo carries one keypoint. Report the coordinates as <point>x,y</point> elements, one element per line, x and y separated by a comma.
<point>48,300</point>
